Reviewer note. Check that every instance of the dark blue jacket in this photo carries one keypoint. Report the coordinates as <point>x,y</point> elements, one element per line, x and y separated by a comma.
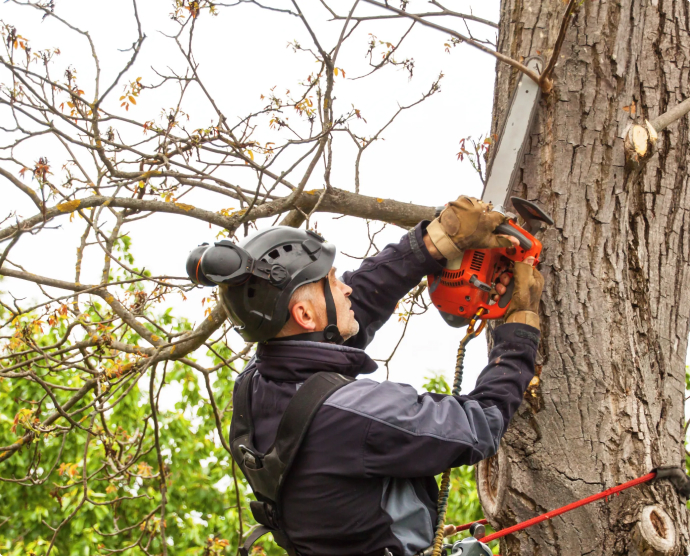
<point>363,479</point>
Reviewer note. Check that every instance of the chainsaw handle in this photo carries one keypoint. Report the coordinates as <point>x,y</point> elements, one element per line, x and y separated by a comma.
<point>506,297</point>
<point>508,230</point>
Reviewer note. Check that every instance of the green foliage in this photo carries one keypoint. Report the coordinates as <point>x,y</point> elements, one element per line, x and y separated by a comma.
<point>437,384</point>
<point>97,486</point>
<point>687,453</point>
<point>76,474</point>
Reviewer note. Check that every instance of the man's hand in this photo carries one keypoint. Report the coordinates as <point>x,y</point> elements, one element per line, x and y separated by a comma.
<point>467,223</point>
<point>449,530</point>
<point>502,286</point>
<point>524,305</point>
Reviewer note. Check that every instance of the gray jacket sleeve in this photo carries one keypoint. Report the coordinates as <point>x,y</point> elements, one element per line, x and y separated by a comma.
<point>411,435</point>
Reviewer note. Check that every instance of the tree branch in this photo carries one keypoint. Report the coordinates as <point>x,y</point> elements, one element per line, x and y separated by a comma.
<point>335,201</point>
<point>27,190</point>
<point>505,59</point>
<point>667,118</point>
<point>545,81</point>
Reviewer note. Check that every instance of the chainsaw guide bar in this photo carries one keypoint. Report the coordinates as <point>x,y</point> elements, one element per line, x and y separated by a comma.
<point>504,166</point>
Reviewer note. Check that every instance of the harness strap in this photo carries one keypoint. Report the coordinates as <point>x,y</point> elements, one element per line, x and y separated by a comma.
<point>266,472</point>
<point>259,532</point>
<point>301,410</point>
<point>242,423</point>
<point>329,334</point>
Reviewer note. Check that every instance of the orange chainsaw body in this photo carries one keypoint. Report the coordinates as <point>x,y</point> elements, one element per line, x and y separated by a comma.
<point>465,286</point>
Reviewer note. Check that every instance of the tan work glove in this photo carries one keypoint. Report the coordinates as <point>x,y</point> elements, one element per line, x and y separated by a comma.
<point>466,223</point>
<point>524,305</point>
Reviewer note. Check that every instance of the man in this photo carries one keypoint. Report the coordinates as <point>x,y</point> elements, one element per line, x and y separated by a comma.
<point>362,479</point>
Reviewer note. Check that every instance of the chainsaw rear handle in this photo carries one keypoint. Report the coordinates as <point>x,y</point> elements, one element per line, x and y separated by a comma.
<point>508,230</point>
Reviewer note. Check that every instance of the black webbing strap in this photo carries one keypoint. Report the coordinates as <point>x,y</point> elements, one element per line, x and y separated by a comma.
<point>259,532</point>
<point>677,476</point>
<point>241,423</point>
<point>300,413</point>
<point>254,536</point>
<point>329,334</point>
<point>266,472</point>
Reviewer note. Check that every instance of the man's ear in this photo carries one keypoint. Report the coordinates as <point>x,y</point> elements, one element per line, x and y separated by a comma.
<point>304,315</point>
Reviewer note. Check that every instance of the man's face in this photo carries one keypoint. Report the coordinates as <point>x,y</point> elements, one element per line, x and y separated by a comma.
<point>308,309</point>
<point>347,324</point>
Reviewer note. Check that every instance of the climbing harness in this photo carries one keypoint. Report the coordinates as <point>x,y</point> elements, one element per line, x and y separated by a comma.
<point>266,472</point>
<point>457,385</point>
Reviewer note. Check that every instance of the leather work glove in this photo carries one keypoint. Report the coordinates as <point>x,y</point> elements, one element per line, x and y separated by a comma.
<point>466,223</point>
<point>524,305</point>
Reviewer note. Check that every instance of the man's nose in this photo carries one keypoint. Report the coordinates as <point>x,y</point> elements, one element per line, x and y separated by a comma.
<point>347,290</point>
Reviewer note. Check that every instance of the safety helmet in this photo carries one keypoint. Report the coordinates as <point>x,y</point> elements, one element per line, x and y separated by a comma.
<point>258,276</point>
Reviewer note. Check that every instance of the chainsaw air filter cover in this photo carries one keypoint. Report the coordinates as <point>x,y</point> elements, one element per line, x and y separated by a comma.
<point>459,290</point>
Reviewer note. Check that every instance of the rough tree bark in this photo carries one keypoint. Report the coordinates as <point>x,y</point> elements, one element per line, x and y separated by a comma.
<point>609,403</point>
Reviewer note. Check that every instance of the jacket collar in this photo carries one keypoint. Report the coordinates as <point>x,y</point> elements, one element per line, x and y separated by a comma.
<point>298,360</point>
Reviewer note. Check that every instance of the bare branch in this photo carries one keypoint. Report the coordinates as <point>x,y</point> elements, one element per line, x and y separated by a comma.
<point>505,59</point>
<point>545,81</point>
<point>667,118</point>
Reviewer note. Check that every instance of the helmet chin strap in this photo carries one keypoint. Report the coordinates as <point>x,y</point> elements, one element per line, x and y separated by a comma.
<point>331,332</point>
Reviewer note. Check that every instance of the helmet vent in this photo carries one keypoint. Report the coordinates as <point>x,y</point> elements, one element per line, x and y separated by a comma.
<point>287,248</point>
<point>274,254</point>
<point>251,292</point>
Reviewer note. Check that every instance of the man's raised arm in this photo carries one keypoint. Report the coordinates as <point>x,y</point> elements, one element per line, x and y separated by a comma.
<point>382,280</point>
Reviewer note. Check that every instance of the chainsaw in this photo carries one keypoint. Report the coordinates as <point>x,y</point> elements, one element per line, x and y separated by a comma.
<point>466,286</point>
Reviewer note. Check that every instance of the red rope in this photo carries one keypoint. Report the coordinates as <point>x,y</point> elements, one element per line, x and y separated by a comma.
<point>468,525</point>
<point>559,511</point>
<point>564,509</point>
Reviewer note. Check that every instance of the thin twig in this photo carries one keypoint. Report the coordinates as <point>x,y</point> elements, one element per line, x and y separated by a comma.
<point>505,59</point>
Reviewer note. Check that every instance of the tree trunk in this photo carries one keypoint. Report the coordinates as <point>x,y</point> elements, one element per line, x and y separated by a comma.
<point>609,403</point>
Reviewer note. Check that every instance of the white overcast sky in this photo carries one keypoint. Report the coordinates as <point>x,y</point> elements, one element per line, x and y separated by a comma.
<point>242,54</point>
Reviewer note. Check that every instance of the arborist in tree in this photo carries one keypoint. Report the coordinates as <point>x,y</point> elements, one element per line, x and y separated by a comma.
<point>342,466</point>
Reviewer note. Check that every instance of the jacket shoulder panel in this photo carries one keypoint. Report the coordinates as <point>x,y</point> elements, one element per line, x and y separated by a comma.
<point>399,406</point>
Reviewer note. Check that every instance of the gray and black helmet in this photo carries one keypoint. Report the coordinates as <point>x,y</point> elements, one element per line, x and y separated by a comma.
<point>258,276</point>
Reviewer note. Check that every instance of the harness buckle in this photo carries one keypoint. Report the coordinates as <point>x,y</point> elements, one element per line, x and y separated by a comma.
<point>264,513</point>
<point>252,460</point>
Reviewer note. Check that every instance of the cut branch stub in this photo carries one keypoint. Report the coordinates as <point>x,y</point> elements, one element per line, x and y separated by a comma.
<point>492,484</point>
<point>639,142</point>
<point>655,533</point>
